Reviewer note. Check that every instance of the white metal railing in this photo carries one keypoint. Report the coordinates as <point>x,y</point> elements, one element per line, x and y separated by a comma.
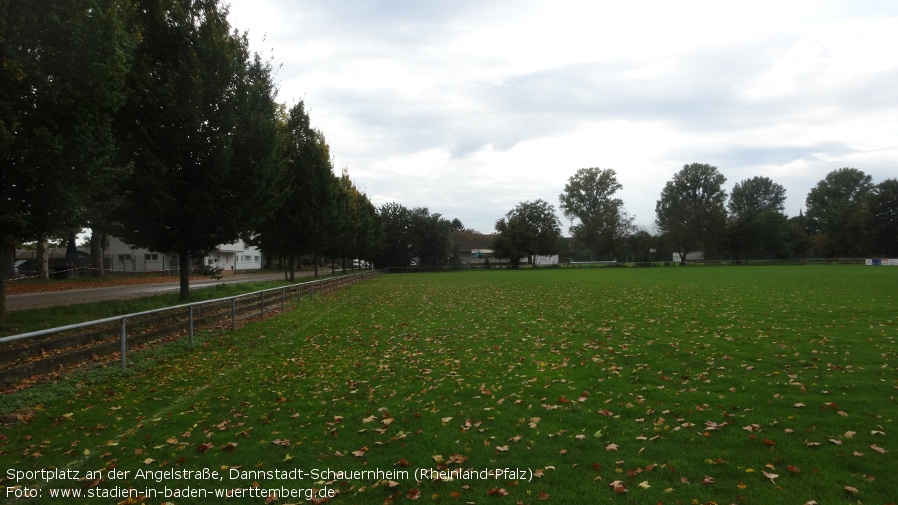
<point>319,286</point>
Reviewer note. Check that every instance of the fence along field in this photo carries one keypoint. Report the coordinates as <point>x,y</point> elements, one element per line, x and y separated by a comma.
<point>724,384</point>
<point>54,351</point>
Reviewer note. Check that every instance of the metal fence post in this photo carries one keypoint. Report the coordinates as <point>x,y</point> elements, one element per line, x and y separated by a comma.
<point>262,305</point>
<point>284,300</point>
<point>190,333</point>
<point>124,332</point>
<point>234,313</point>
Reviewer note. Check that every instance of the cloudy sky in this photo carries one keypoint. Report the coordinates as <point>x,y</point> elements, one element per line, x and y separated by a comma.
<point>471,107</point>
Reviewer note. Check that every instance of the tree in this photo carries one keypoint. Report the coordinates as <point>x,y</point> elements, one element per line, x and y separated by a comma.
<point>396,223</point>
<point>589,197</point>
<point>61,80</point>
<point>691,209</point>
<point>200,127</point>
<point>354,231</point>
<point>302,223</point>
<point>756,195</point>
<point>757,226</point>
<point>835,209</point>
<point>881,218</point>
<point>530,229</point>
<point>431,243</point>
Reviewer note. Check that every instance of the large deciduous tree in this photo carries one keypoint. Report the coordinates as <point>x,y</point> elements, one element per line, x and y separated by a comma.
<point>200,128</point>
<point>835,212</point>
<point>62,76</point>
<point>758,228</point>
<point>881,218</point>
<point>413,236</point>
<point>431,239</point>
<point>691,209</point>
<point>589,198</point>
<point>396,223</point>
<point>530,229</point>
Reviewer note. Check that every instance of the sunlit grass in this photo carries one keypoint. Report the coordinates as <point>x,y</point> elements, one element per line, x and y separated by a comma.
<point>615,385</point>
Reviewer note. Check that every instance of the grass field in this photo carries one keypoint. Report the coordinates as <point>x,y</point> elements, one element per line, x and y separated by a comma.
<point>756,385</point>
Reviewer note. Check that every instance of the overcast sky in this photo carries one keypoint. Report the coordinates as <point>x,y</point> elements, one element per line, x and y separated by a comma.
<point>471,107</point>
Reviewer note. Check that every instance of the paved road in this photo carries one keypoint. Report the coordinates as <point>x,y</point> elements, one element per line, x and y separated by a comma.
<point>74,296</point>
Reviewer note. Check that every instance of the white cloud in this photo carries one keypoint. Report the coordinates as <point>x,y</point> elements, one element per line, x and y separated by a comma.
<point>471,107</point>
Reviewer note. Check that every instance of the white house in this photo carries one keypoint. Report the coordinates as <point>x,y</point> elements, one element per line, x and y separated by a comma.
<point>690,256</point>
<point>230,257</point>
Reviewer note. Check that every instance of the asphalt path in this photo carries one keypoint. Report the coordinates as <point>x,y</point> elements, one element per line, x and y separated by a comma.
<point>75,296</point>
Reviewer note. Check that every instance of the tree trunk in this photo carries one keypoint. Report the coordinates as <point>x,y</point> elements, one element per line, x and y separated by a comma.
<point>292,267</point>
<point>43,259</point>
<point>97,239</point>
<point>7,258</point>
<point>184,262</point>
<point>315,258</point>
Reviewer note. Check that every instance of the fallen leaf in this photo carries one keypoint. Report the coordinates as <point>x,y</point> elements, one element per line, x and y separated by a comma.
<point>497,492</point>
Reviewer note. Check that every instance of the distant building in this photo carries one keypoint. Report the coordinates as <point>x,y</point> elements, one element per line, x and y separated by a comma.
<point>690,256</point>
<point>120,257</point>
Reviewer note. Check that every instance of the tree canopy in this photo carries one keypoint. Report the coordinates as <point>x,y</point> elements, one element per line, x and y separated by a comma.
<point>691,208</point>
<point>62,78</point>
<point>530,229</point>
<point>758,228</point>
<point>881,218</point>
<point>589,197</point>
<point>835,212</point>
<point>756,195</point>
<point>200,129</point>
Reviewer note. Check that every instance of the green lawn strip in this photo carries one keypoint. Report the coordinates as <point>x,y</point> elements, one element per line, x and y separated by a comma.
<point>674,385</point>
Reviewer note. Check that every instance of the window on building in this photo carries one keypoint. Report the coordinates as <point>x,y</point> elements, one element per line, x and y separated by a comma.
<point>151,257</point>
<point>124,257</point>
<point>257,258</point>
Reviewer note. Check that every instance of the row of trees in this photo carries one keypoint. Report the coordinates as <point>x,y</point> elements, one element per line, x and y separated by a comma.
<point>847,215</point>
<point>151,120</point>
